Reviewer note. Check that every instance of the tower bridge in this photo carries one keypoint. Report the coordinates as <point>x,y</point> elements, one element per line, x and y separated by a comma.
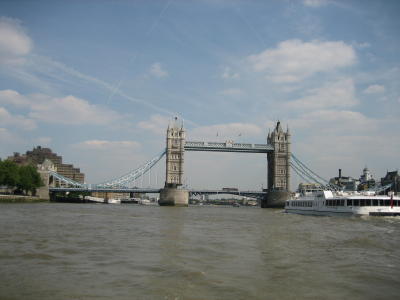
<point>277,148</point>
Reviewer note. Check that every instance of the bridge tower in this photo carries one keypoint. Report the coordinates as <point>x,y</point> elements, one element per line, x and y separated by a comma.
<point>172,194</point>
<point>175,154</point>
<point>44,172</point>
<point>278,167</point>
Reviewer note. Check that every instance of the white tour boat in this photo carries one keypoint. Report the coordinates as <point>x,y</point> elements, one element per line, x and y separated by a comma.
<point>325,202</point>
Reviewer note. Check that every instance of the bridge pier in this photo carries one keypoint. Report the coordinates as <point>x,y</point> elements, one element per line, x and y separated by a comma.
<point>275,199</point>
<point>170,196</point>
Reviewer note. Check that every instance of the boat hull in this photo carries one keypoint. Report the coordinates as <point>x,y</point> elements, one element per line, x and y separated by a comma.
<point>318,213</point>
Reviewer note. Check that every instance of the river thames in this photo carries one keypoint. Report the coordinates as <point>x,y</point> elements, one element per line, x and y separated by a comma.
<point>89,251</point>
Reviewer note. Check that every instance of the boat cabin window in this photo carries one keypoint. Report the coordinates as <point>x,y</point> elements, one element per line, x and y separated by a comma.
<point>301,203</point>
<point>335,202</point>
<point>370,202</point>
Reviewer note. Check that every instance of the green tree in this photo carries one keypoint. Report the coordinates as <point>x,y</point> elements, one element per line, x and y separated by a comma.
<point>29,179</point>
<point>9,174</point>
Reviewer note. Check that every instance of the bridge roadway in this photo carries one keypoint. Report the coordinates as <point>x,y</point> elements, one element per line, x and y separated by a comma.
<point>248,193</point>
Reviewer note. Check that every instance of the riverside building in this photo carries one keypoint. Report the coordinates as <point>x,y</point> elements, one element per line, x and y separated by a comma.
<point>38,155</point>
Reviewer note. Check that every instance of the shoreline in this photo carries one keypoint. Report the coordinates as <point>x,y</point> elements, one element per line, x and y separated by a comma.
<point>21,199</point>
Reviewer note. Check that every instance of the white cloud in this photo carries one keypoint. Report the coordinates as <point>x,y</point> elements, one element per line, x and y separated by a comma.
<point>4,134</point>
<point>107,145</point>
<point>337,122</point>
<point>43,141</point>
<point>374,89</point>
<point>18,121</point>
<point>336,94</point>
<point>229,74</point>
<point>225,131</point>
<point>232,92</point>
<point>70,110</point>
<point>116,157</point>
<point>14,43</point>
<point>9,140</point>
<point>157,124</point>
<point>294,60</point>
<point>157,70</point>
<point>326,154</point>
<point>330,139</point>
<point>315,3</point>
<point>10,97</point>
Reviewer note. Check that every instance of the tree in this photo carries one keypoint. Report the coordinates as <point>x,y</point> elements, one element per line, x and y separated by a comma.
<point>29,179</point>
<point>25,178</point>
<point>9,174</point>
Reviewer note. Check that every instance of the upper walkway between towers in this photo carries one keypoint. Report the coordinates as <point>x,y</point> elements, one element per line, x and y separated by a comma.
<point>228,146</point>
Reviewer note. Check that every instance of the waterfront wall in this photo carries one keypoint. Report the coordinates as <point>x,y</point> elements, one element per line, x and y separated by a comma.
<point>21,199</point>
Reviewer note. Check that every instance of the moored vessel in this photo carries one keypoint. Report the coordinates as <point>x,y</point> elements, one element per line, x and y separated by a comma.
<point>326,202</point>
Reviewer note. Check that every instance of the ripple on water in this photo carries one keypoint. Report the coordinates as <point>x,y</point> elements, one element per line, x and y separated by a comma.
<point>37,256</point>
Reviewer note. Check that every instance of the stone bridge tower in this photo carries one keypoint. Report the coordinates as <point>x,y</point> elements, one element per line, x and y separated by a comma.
<point>172,194</point>
<point>278,168</point>
<point>279,160</point>
<point>175,154</point>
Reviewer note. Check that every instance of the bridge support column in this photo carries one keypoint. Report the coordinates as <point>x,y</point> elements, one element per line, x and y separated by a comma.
<point>43,192</point>
<point>44,172</point>
<point>170,196</point>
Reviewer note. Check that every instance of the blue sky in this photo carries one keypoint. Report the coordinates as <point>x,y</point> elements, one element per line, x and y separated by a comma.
<point>98,81</point>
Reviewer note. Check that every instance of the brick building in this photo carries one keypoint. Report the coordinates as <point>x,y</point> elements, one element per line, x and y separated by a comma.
<point>38,155</point>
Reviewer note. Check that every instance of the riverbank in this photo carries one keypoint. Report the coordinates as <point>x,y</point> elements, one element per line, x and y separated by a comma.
<point>20,199</point>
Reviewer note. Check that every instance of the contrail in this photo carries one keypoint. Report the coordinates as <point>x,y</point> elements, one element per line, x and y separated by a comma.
<point>116,88</point>
<point>42,61</point>
<point>155,24</point>
<point>149,31</point>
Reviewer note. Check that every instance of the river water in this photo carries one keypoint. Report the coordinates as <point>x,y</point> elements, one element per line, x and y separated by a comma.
<point>89,251</point>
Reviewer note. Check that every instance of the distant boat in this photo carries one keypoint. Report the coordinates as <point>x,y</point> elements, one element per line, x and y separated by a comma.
<point>114,201</point>
<point>144,202</point>
<point>94,199</point>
